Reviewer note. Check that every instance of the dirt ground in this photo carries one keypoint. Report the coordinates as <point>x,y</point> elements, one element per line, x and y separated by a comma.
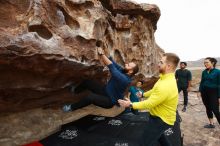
<point>193,121</point>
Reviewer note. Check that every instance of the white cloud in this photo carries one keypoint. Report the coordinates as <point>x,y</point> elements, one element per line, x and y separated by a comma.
<point>189,28</point>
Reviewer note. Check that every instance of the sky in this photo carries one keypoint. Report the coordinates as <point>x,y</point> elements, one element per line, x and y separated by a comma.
<point>189,28</point>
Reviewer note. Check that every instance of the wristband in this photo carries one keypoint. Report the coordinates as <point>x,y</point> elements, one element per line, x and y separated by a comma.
<point>130,106</point>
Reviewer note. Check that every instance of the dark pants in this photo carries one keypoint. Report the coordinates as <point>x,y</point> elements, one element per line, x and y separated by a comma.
<point>154,132</point>
<point>97,96</point>
<point>134,111</point>
<point>210,100</point>
<point>185,94</point>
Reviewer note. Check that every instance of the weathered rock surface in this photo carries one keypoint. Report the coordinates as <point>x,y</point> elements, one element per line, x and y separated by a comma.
<point>47,45</point>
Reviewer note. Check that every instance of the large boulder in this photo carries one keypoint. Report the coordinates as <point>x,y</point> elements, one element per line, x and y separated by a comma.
<point>45,46</point>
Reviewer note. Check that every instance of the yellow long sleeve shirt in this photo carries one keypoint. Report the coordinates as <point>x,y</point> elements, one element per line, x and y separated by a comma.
<point>162,99</point>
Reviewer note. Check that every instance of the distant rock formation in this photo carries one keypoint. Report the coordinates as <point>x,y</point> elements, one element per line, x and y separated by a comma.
<point>47,45</point>
<point>200,62</point>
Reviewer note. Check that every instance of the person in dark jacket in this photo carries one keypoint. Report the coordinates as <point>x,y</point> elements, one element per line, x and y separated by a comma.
<point>183,77</point>
<point>210,90</point>
<point>105,95</point>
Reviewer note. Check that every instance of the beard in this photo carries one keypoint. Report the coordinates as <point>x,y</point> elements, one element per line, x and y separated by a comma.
<point>125,71</point>
<point>161,70</point>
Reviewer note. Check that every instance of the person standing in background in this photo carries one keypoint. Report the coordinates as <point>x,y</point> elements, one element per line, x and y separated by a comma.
<point>135,93</point>
<point>184,78</point>
<point>210,90</point>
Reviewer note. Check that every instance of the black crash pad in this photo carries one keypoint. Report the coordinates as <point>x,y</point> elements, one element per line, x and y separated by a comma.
<point>123,130</point>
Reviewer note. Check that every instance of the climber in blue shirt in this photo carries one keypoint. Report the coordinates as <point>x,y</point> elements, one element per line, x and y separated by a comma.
<point>105,95</point>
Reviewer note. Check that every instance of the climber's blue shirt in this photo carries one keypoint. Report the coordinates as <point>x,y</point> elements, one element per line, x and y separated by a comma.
<point>118,82</point>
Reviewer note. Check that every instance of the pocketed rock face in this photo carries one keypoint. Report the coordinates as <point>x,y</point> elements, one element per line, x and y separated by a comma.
<point>46,45</point>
